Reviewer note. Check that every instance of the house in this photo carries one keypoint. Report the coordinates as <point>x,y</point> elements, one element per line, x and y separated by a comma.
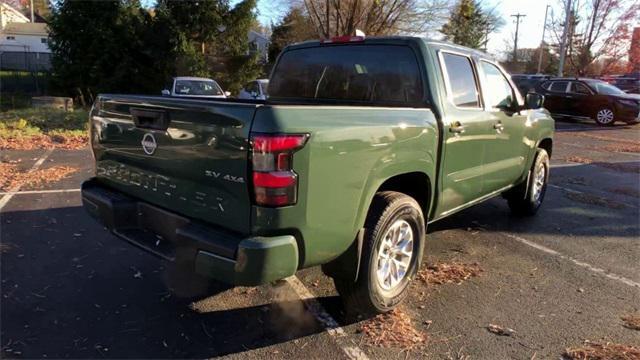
<point>24,45</point>
<point>259,43</point>
<point>8,15</point>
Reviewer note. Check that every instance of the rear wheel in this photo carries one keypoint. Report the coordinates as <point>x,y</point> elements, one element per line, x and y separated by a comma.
<point>526,200</point>
<point>391,255</point>
<point>604,117</point>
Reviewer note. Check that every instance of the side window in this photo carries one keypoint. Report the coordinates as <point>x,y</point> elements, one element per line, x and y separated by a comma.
<point>496,89</point>
<point>579,88</point>
<point>462,82</point>
<point>559,86</point>
<point>545,85</point>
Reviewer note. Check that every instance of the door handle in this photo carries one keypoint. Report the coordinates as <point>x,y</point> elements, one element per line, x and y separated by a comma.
<point>498,126</point>
<point>456,128</point>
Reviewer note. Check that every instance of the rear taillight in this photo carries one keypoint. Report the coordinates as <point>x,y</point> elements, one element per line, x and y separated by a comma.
<point>274,181</point>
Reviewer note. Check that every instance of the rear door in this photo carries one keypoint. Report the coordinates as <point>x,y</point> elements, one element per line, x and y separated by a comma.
<point>467,130</point>
<point>555,98</point>
<point>187,156</point>
<point>578,99</point>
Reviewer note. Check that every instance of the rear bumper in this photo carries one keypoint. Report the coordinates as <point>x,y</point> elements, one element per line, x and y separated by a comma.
<point>211,252</point>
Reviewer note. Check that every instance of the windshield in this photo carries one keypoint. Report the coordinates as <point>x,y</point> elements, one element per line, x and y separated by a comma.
<point>604,88</point>
<point>349,73</point>
<point>198,88</point>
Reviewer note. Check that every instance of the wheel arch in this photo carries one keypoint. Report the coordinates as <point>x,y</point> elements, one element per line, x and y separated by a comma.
<point>416,184</point>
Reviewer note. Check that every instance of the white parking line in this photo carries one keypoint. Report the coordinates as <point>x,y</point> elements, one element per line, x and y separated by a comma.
<point>5,199</point>
<point>330,325</point>
<point>589,267</point>
<point>39,192</point>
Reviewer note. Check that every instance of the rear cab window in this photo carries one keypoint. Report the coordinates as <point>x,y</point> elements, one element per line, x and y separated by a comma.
<point>367,74</point>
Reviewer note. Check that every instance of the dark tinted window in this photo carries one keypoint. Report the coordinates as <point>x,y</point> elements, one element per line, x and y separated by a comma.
<point>559,86</point>
<point>361,73</point>
<point>462,82</point>
<point>579,88</point>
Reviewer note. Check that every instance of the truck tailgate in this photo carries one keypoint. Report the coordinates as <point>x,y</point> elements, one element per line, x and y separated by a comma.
<point>188,156</point>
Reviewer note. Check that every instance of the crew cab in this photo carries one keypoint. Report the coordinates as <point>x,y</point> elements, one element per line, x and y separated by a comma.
<point>352,156</point>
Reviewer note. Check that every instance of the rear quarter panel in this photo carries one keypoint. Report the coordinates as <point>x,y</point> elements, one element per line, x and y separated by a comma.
<point>351,151</point>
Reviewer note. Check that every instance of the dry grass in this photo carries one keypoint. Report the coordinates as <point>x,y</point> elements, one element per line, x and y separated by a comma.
<point>67,141</point>
<point>607,351</point>
<point>393,330</point>
<point>579,160</point>
<point>10,176</point>
<point>594,200</point>
<point>444,273</point>
<point>632,321</point>
<point>623,147</point>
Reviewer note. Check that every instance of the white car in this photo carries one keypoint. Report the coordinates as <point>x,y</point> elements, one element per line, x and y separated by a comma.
<point>186,86</point>
<point>255,90</point>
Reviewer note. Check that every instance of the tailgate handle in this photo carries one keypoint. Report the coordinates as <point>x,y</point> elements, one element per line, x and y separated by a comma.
<point>150,119</point>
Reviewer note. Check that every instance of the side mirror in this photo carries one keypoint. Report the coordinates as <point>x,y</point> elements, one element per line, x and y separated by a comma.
<point>227,93</point>
<point>534,101</point>
<point>166,92</point>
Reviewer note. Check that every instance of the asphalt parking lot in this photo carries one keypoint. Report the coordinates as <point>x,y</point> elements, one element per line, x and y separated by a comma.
<point>72,290</point>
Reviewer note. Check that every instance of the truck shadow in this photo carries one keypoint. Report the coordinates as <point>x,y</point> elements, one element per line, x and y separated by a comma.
<point>70,289</point>
<point>591,200</point>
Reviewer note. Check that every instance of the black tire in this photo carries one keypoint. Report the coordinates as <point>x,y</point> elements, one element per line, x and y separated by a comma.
<point>605,116</point>
<point>526,200</point>
<point>366,296</point>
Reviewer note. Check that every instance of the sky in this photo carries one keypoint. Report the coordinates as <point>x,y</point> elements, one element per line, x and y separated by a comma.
<point>530,32</point>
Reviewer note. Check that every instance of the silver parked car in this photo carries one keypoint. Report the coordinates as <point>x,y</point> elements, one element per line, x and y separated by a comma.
<point>187,86</point>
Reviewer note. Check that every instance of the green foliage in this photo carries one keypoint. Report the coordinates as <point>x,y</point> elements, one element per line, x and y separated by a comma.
<point>469,25</point>
<point>37,121</point>
<point>119,46</point>
<point>107,46</point>
<point>294,27</point>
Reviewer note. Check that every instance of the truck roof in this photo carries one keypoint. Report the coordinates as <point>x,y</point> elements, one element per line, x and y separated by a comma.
<point>192,78</point>
<point>399,40</point>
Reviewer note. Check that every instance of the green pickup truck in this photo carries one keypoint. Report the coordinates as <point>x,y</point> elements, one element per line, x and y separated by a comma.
<point>362,143</point>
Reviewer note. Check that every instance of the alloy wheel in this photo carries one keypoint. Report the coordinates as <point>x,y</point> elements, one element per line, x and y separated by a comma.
<point>394,255</point>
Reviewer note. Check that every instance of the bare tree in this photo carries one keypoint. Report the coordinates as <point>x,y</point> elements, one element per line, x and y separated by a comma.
<point>598,29</point>
<point>375,17</point>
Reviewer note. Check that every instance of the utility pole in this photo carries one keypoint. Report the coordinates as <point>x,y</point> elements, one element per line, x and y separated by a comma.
<point>544,27</point>
<point>32,19</point>
<point>565,32</point>
<point>515,43</point>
